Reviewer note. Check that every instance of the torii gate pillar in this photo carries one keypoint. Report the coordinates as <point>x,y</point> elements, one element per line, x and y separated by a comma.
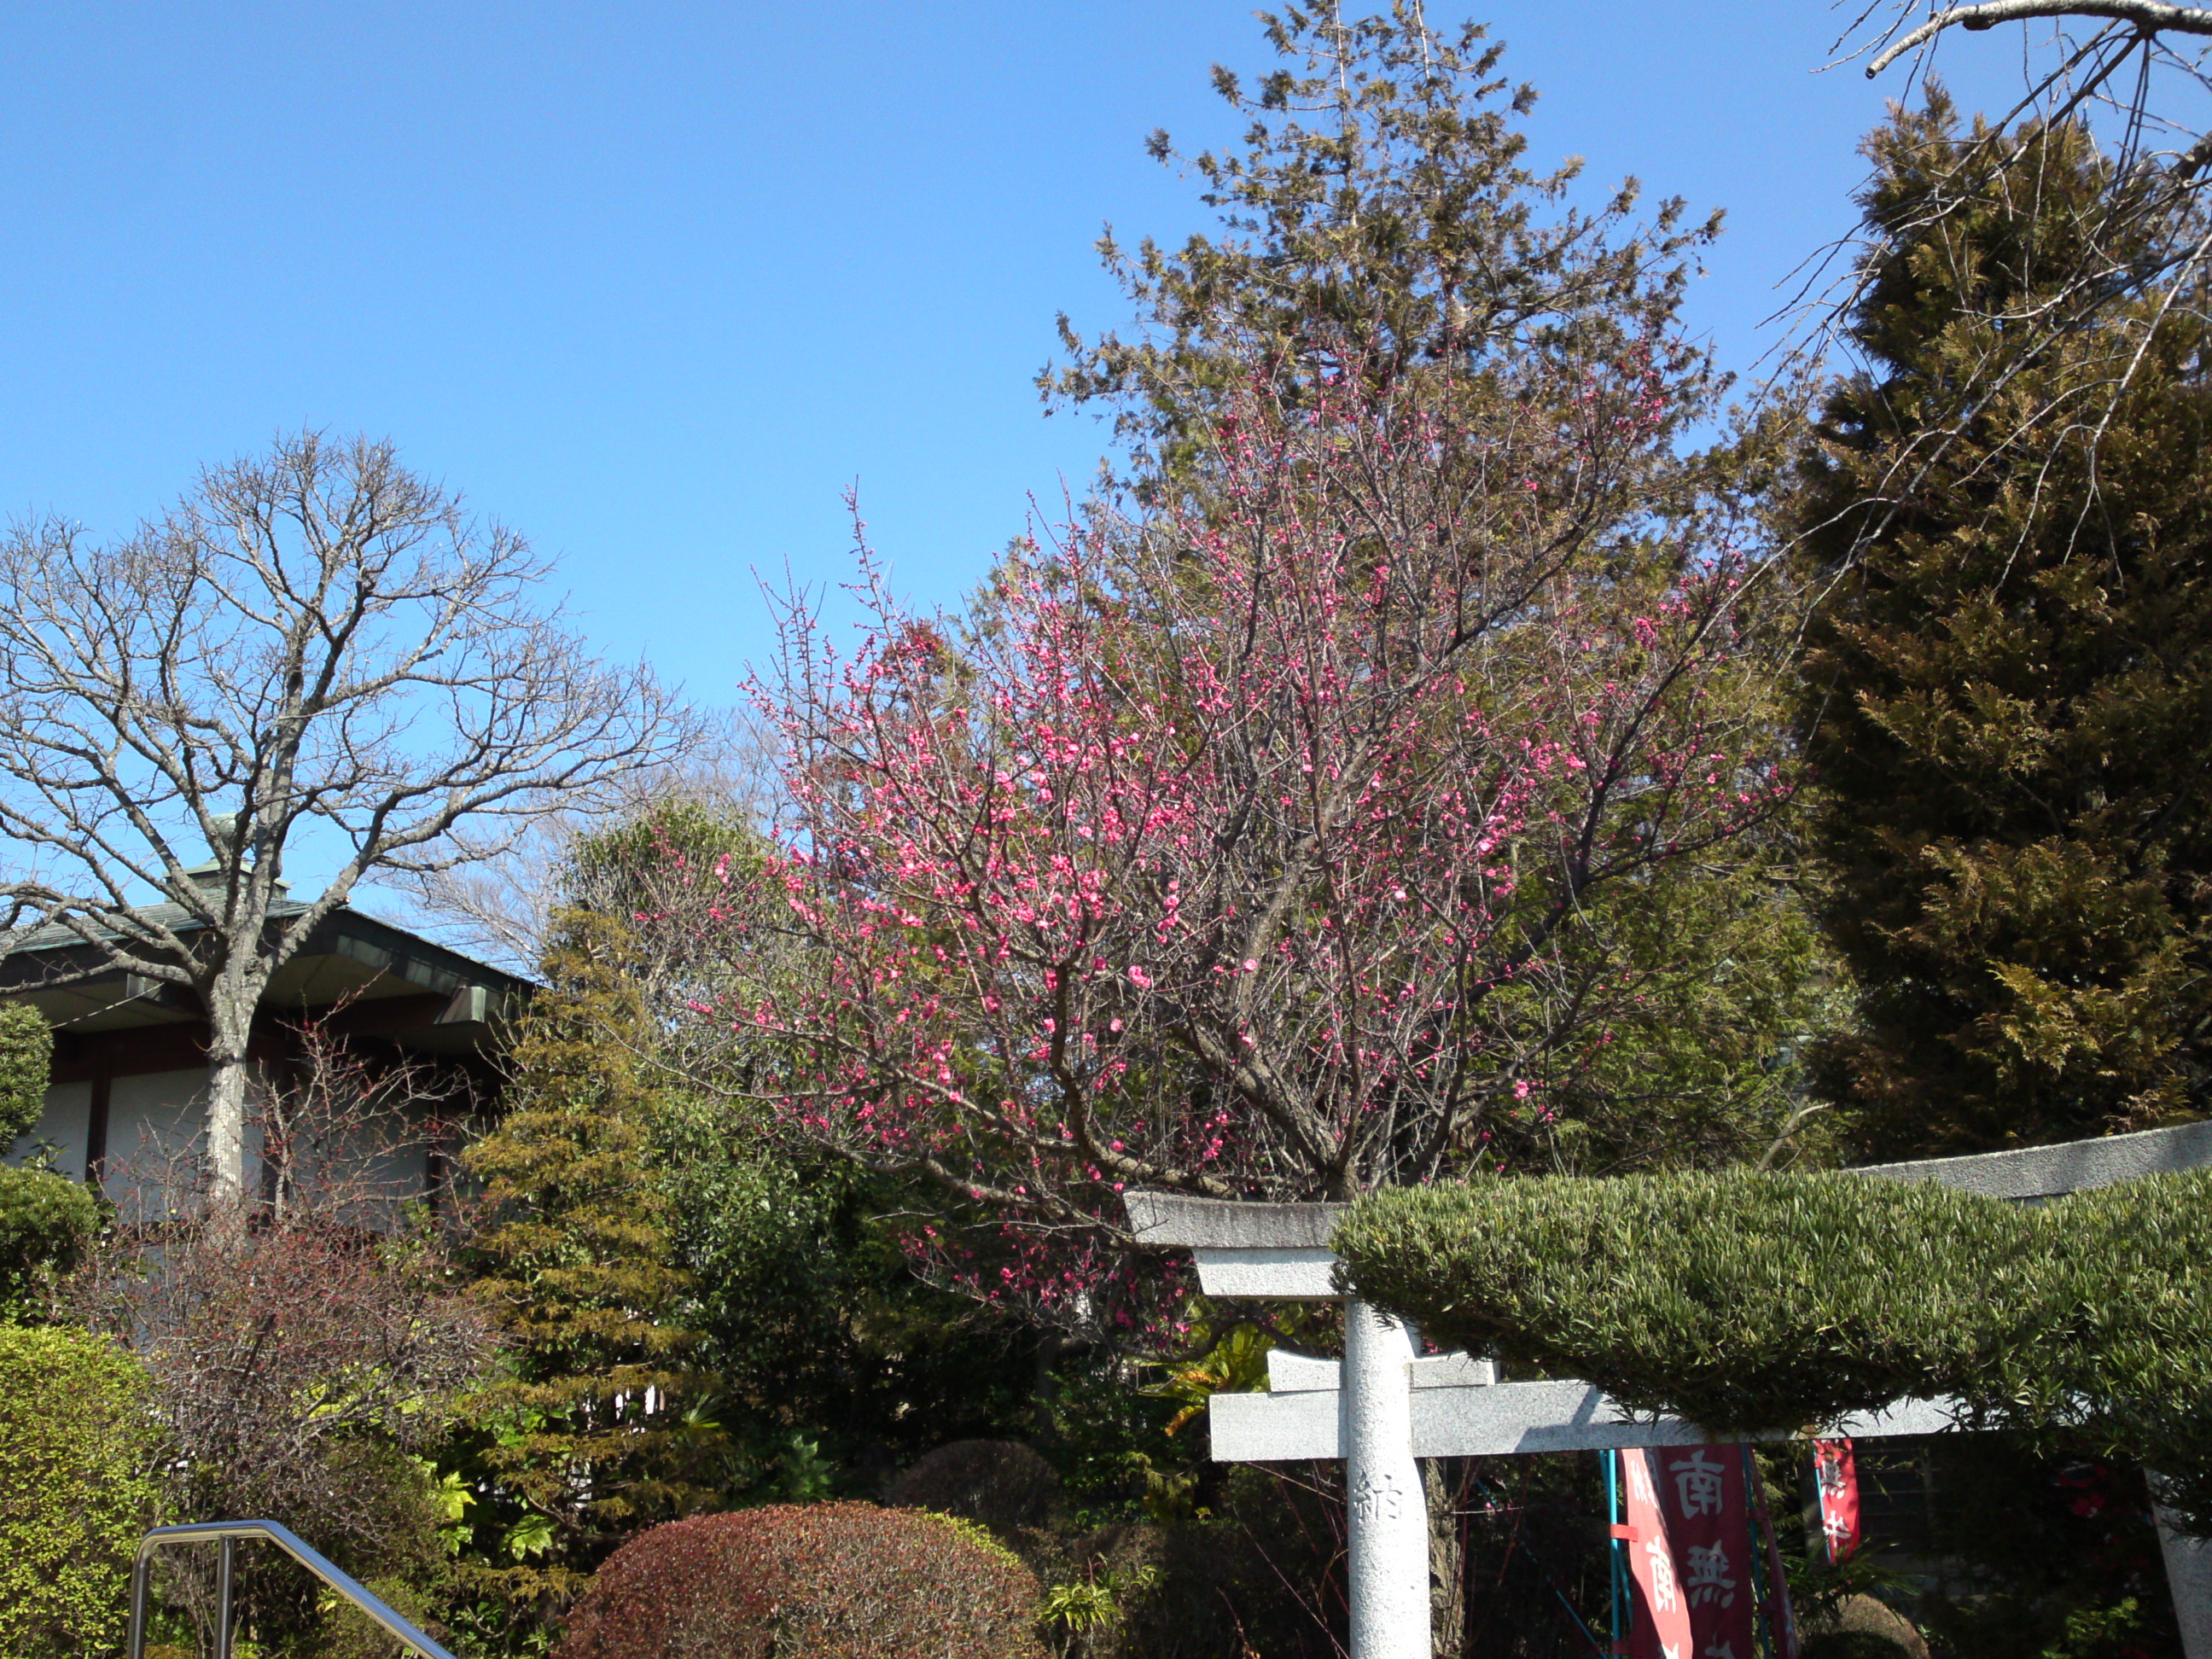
<point>1281,1251</point>
<point>1388,1558</point>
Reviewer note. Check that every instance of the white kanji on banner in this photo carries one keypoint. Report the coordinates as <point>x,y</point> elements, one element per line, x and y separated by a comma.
<point>1689,1518</point>
<point>1700,1482</point>
<point>1661,1626</point>
<point>1705,1577</point>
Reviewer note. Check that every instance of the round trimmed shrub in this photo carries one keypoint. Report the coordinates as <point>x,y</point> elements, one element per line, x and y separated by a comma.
<point>76,1489</point>
<point>999,1484</point>
<point>815,1581</point>
<point>45,1220</point>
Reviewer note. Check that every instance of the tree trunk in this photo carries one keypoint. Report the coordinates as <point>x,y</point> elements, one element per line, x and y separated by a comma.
<point>230,1026</point>
<point>1443,1484</point>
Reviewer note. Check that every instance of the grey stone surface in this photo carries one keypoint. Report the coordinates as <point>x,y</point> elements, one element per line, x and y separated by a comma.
<point>1172,1221</point>
<point>2189,1578</point>
<point>1306,1373</point>
<point>1305,1273</point>
<point>1498,1420</point>
<point>1303,1373</point>
<point>2073,1166</point>
<point>1387,1543</point>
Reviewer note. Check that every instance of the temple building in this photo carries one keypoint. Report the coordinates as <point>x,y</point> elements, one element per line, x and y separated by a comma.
<point>129,1081</point>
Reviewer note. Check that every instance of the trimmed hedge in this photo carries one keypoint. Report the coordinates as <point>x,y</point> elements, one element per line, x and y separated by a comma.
<point>819,1581</point>
<point>1752,1301</point>
<point>1742,1300</point>
<point>76,1491</point>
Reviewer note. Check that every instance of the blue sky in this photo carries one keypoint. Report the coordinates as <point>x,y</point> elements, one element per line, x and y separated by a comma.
<point>655,282</point>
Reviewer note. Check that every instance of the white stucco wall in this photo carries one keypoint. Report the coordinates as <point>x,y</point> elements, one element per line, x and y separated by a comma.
<point>63,1125</point>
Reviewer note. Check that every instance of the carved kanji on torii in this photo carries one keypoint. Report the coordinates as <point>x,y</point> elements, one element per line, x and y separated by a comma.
<point>1385,1406</point>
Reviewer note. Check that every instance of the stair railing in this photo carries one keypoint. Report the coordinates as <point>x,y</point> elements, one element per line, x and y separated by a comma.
<point>227,1534</point>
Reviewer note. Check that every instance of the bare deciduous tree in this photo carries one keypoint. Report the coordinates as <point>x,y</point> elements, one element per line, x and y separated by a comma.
<point>315,640</point>
<point>506,907</point>
<point>2124,23</point>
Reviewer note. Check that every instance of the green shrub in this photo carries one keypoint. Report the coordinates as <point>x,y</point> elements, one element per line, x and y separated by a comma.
<point>1749,1301</point>
<point>1261,1570</point>
<point>76,1491</point>
<point>2121,1355</point>
<point>1001,1485</point>
<point>1742,1300</point>
<point>44,1222</point>
<point>822,1581</point>
<point>45,1219</point>
<point>27,1055</point>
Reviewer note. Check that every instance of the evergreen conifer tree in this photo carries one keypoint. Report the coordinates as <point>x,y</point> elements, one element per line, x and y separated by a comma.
<point>2009,681</point>
<point>593,1433</point>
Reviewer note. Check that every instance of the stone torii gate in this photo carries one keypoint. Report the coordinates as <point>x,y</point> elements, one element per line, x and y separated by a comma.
<point>1385,1405</point>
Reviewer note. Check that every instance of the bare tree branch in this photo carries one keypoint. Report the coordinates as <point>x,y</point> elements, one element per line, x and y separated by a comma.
<point>2149,17</point>
<point>502,907</point>
<point>314,641</point>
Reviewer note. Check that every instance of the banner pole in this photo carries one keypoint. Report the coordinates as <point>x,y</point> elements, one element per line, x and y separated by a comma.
<point>1611,1459</point>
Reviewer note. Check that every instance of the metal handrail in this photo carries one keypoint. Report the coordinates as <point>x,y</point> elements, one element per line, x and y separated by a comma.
<point>228,1533</point>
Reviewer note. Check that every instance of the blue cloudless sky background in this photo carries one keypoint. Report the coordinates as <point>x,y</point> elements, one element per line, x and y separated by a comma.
<point>655,282</point>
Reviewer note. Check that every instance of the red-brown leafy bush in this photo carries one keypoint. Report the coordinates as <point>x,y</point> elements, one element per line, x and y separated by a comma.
<point>808,1582</point>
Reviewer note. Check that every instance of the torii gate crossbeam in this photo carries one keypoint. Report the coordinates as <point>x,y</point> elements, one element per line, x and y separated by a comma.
<point>1384,1406</point>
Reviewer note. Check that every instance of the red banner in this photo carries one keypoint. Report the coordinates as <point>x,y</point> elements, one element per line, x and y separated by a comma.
<point>1836,1475</point>
<point>1690,1553</point>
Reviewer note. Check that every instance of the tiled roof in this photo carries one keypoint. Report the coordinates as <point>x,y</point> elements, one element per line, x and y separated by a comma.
<point>54,937</point>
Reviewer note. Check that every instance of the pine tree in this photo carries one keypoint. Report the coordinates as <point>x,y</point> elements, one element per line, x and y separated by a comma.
<point>587,1439</point>
<point>2009,681</point>
<point>1379,215</point>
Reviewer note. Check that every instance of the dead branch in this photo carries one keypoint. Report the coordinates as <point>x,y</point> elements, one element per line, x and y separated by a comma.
<point>2149,17</point>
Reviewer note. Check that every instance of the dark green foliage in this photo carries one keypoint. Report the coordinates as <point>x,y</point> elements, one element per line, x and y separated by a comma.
<point>1379,198</point>
<point>1750,1301</point>
<point>44,1222</point>
<point>1703,1067</point>
<point>26,1054</point>
<point>810,1315</point>
<point>77,1451</point>
<point>1260,1571</point>
<point>586,1440</point>
<point>2010,676</point>
<point>1856,1645</point>
<point>1001,1486</point>
<point>395,1547</point>
<point>825,1581</point>
<point>1743,1300</point>
<point>1535,1567</point>
<point>834,1363</point>
<point>2043,1555</point>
